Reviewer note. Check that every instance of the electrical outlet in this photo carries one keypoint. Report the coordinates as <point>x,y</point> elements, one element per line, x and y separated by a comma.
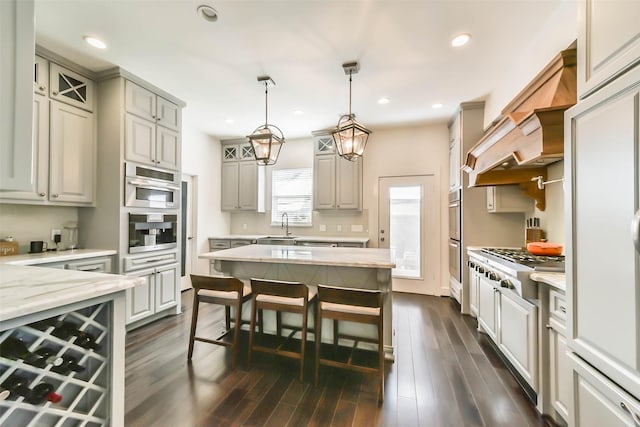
<point>55,231</point>
<point>356,228</point>
<point>339,227</point>
<point>322,227</point>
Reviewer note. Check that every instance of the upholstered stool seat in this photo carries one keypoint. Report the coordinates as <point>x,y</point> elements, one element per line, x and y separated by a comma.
<point>280,296</point>
<point>226,291</point>
<point>354,305</point>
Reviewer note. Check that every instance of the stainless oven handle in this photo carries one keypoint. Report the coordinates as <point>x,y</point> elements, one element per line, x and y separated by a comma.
<point>454,204</point>
<point>635,230</point>
<point>454,244</point>
<point>153,187</point>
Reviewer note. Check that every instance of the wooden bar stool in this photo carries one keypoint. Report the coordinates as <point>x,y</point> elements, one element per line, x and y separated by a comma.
<point>355,305</point>
<point>291,297</point>
<point>226,291</point>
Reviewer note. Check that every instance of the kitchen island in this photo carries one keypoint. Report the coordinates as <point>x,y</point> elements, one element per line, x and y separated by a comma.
<point>35,303</point>
<point>364,268</point>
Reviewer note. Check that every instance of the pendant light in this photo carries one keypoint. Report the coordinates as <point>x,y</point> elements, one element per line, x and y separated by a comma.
<point>266,140</point>
<point>350,137</point>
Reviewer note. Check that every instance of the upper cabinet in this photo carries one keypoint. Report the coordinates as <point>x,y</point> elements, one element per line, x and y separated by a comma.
<point>64,144</point>
<point>17,147</point>
<point>609,40</point>
<point>70,87</point>
<point>243,181</point>
<point>152,128</point>
<point>337,183</point>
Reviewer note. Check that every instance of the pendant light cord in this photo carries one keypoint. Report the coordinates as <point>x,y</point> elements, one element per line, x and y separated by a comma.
<point>266,97</point>
<point>350,93</point>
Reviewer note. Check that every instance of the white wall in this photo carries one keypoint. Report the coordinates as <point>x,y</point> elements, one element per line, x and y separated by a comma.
<point>26,223</point>
<point>201,157</point>
<point>557,34</point>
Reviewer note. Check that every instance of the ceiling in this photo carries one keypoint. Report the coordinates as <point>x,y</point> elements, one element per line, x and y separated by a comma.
<point>403,48</point>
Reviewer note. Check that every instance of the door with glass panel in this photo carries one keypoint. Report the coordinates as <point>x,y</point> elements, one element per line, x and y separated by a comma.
<point>409,226</point>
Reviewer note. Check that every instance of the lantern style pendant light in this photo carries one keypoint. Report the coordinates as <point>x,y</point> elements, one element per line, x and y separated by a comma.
<point>266,140</point>
<point>350,136</point>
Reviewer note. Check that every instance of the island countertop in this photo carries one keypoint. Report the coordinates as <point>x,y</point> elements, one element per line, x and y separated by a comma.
<point>26,290</point>
<point>344,257</point>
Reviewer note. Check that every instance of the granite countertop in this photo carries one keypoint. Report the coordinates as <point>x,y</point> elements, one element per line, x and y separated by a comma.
<point>342,257</point>
<point>55,256</point>
<point>297,238</point>
<point>557,280</point>
<point>25,290</point>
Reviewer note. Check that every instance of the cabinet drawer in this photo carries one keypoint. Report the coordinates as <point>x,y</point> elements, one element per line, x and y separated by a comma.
<point>131,264</point>
<point>95,265</point>
<point>238,243</point>
<point>215,244</point>
<point>557,305</point>
<point>456,289</point>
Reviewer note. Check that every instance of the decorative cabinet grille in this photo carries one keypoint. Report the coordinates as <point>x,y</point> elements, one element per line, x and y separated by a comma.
<point>71,88</point>
<point>230,153</point>
<point>325,145</point>
<point>246,152</point>
<point>85,395</point>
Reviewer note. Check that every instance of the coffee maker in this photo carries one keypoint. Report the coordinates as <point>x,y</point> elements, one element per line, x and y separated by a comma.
<point>69,236</point>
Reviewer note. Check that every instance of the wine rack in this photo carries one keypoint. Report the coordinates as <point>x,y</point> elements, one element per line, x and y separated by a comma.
<point>85,394</point>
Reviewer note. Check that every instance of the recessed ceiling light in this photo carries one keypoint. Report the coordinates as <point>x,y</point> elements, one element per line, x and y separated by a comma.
<point>436,106</point>
<point>461,40</point>
<point>207,13</point>
<point>383,101</point>
<point>229,121</point>
<point>97,43</point>
<point>298,112</point>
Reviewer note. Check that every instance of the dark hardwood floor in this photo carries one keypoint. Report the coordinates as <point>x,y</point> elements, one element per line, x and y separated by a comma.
<point>445,374</point>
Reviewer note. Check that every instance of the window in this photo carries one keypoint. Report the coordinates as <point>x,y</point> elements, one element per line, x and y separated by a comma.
<point>291,192</point>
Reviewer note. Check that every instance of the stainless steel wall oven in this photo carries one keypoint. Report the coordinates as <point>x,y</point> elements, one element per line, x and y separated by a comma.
<point>149,187</point>
<point>455,232</point>
<point>152,232</point>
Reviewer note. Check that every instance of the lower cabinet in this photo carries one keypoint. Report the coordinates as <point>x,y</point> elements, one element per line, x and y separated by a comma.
<point>597,401</point>
<point>101,264</point>
<point>455,289</point>
<point>474,283</point>
<point>488,308</point>
<point>559,369</point>
<point>160,291</point>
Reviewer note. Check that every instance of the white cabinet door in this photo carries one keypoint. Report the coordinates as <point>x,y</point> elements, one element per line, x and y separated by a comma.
<point>229,186</point>
<point>487,308</point>
<point>560,370</point>
<point>167,287</point>
<point>167,114</point>
<point>167,151</point>
<point>140,299</point>
<point>598,402</point>
<point>602,145</point>
<point>72,154</point>
<point>608,41</point>
<point>140,140</point>
<point>324,182</point>
<point>518,338</point>
<point>70,87</point>
<point>247,186</point>
<point>473,291</point>
<point>348,184</point>
<point>41,76</point>
<point>17,33</point>
<point>140,101</point>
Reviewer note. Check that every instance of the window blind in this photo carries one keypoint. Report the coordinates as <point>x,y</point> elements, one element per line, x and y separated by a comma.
<point>291,193</point>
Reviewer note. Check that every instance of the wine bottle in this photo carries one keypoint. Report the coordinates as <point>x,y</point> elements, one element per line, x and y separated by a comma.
<point>66,329</point>
<point>18,386</point>
<point>15,348</point>
<point>69,364</point>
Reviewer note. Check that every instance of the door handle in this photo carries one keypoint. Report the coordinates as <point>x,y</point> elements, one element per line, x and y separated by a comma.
<point>635,230</point>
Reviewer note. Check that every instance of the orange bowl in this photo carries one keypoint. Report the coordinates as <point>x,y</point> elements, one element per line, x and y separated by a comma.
<point>544,248</point>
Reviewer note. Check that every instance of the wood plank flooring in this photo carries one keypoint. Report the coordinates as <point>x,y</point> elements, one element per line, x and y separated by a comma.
<point>445,374</point>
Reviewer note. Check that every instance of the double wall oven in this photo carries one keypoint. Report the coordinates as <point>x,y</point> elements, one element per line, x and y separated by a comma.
<point>455,233</point>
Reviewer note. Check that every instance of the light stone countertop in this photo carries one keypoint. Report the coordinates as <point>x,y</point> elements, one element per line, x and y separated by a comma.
<point>342,257</point>
<point>297,238</point>
<point>54,256</point>
<point>25,290</point>
<point>557,280</point>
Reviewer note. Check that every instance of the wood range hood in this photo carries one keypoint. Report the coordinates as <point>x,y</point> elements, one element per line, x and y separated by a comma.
<point>530,133</point>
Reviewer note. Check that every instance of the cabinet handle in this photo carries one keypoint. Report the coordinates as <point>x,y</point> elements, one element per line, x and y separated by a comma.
<point>634,417</point>
<point>55,93</point>
<point>55,195</point>
<point>563,309</point>
<point>635,230</point>
<point>42,194</point>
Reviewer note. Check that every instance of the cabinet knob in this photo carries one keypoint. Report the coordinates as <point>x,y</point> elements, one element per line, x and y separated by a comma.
<point>55,195</point>
<point>55,93</point>
<point>42,194</point>
<point>382,239</point>
<point>42,88</point>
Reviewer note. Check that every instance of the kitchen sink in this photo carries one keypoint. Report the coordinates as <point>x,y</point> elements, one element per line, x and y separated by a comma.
<point>277,240</point>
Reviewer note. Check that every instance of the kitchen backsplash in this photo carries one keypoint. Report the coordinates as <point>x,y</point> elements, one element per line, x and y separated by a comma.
<point>343,224</point>
<point>552,218</point>
<point>26,223</point>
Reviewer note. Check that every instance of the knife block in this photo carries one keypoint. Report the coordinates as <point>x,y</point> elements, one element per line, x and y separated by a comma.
<point>534,235</point>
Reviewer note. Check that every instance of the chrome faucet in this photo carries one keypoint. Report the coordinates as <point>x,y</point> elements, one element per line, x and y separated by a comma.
<point>285,225</point>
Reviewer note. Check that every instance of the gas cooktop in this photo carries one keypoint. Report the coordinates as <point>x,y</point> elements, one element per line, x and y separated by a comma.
<point>521,256</point>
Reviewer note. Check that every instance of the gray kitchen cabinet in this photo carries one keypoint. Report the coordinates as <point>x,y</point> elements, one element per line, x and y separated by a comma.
<point>609,42</point>
<point>17,146</point>
<point>602,165</point>
<point>337,183</point>
<point>243,181</point>
<point>160,292</point>
<point>488,308</point>
<point>70,87</point>
<point>507,199</point>
<point>559,366</point>
<point>102,264</point>
<point>474,283</point>
<point>41,76</point>
<point>152,134</point>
